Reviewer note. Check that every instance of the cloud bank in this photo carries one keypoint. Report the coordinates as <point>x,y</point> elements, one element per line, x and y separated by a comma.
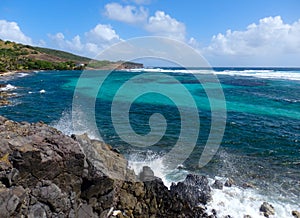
<point>160,24</point>
<point>12,32</point>
<point>270,40</point>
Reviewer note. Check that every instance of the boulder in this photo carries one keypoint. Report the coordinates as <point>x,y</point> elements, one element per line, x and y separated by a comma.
<point>44,173</point>
<point>296,214</point>
<point>229,182</point>
<point>217,185</point>
<point>267,209</point>
<point>194,189</point>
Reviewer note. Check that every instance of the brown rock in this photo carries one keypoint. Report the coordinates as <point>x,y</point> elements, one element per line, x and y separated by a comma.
<point>296,214</point>
<point>267,209</point>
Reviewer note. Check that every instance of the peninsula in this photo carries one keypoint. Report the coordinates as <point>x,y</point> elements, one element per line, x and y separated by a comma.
<point>15,57</point>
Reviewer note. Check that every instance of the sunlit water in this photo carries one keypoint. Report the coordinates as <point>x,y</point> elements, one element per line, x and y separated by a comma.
<point>260,145</point>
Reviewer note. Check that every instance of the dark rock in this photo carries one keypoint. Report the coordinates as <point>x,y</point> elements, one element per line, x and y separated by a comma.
<point>267,209</point>
<point>229,182</point>
<point>248,185</point>
<point>247,216</point>
<point>217,185</point>
<point>44,173</point>
<point>194,189</point>
<point>147,174</point>
<point>296,214</point>
<point>214,212</point>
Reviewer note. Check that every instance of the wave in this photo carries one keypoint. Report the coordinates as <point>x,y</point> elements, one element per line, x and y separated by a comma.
<point>23,74</point>
<point>238,202</point>
<point>8,87</point>
<point>161,70</point>
<point>235,201</point>
<point>263,74</point>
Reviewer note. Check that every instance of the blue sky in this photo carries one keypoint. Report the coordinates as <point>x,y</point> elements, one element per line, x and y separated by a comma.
<point>226,32</point>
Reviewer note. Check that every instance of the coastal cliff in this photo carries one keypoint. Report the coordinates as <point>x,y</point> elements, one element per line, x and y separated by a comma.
<point>44,173</point>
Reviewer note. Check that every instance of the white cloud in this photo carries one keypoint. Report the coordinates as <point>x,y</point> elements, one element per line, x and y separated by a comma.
<point>163,24</point>
<point>11,31</point>
<point>127,14</point>
<point>102,33</point>
<point>271,36</point>
<point>91,44</point>
<point>71,45</point>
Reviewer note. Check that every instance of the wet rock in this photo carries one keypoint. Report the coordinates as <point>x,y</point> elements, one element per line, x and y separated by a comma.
<point>194,189</point>
<point>247,216</point>
<point>267,209</point>
<point>229,182</point>
<point>44,173</point>
<point>217,185</point>
<point>147,174</point>
<point>296,214</point>
<point>248,185</point>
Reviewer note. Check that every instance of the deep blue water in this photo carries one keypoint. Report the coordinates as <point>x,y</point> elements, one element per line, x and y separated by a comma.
<point>261,143</point>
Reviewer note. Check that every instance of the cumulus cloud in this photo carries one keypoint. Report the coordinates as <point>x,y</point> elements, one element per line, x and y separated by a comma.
<point>270,36</point>
<point>11,31</point>
<point>163,24</point>
<point>91,44</point>
<point>127,14</point>
<point>102,33</point>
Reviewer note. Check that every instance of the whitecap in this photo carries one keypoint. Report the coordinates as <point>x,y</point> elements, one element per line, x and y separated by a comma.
<point>238,202</point>
<point>23,74</point>
<point>42,91</point>
<point>8,87</point>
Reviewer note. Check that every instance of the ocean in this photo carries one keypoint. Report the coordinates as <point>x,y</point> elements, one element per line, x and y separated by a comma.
<point>260,145</point>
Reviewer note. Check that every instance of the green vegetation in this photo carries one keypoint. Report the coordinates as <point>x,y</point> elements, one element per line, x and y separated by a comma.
<point>62,54</point>
<point>16,57</point>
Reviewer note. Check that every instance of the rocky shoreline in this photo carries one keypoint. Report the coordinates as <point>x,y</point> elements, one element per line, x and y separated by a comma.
<point>44,173</point>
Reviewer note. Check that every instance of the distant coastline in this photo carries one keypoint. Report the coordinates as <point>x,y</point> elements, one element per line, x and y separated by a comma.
<point>16,58</point>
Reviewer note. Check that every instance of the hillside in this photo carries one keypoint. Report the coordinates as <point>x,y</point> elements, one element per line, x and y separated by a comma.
<point>19,57</point>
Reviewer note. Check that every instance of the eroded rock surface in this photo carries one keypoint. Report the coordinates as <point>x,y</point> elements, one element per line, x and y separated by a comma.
<point>44,173</point>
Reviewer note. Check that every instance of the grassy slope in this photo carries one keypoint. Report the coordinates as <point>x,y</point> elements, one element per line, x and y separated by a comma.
<point>63,55</point>
<point>16,57</point>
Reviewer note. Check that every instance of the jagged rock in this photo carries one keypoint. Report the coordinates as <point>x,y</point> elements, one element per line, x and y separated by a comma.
<point>248,185</point>
<point>44,173</point>
<point>147,174</point>
<point>296,214</point>
<point>194,189</point>
<point>229,182</point>
<point>267,209</point>
<point>217,185</point>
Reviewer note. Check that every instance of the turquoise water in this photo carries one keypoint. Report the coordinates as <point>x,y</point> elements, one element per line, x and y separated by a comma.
<point>261,143</point>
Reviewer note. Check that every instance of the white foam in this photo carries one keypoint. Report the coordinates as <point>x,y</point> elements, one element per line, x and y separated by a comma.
<point>8,87</point>
<point>152,160</point>
<point>65,125</point>
<point>264,74</point>
<point>160,70</point>
<point>237,202</point>
<point>22,74</point>
<point>42,91</point>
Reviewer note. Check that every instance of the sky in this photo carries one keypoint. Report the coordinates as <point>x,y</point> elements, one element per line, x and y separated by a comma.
<point>225,32</point>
